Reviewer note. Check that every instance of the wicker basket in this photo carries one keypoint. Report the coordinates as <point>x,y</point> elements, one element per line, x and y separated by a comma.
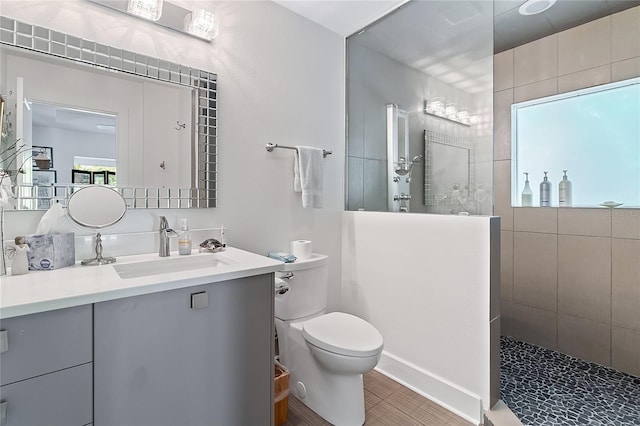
<point>281,394</point>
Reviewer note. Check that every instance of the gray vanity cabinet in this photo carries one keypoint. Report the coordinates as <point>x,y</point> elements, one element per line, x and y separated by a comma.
<point>45,368</point>
<point>198,356</point>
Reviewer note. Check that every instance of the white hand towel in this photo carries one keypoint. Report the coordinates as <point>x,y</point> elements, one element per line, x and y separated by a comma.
<point>308,175</point>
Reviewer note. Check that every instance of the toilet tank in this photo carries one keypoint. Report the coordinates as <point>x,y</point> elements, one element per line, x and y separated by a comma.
<point>308,287</point>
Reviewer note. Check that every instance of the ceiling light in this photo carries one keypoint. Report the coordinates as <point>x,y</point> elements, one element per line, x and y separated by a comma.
<point>201,23</point>
<point>147,9</point>
<point>532,7</point>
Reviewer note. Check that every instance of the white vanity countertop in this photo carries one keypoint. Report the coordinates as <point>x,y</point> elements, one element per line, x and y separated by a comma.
<point>39,291</point>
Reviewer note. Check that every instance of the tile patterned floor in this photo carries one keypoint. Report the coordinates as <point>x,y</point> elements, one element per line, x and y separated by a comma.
<point>547,388</point>
<point>386,403</point>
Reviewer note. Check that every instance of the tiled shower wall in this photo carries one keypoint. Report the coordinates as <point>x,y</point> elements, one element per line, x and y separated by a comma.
<point>570,277</point>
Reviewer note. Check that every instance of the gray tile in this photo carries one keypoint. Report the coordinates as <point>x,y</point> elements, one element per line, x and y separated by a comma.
<point>535,270</point>
<point>355,188</point>
<point>506,318</point>
<point>536,61</point>
<point>536,219</point>
<point>539,89</point>
<point>586,46</point>
<point>536,326</point>
<point>502,124</point>
<point>503,71</point>
<point>584,277</point>
<point>629,68</point>
<point>502,193</point>
<point>583,79</point>
<point>625,283</point>
<point>625,34</point>
<point>625,223</point>
<point>588,222</point>
<point>375,185</point>
<point>625,350</point>
<point>506,265</point>
<point>584,339</point>
<point>494,361</point>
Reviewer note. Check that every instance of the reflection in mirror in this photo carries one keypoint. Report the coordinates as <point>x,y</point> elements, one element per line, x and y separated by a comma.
<point>451,176</point>
<point>160,117</point>
<point>96,207</point>
<point>75,140</point>
<point>408,59</point>
<point>591,133</point>
<point>399,163</point>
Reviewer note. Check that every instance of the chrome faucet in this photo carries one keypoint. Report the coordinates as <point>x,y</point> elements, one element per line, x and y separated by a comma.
<point>165,233</point>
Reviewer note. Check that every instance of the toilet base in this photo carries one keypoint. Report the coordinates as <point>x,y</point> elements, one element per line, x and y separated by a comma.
<point>337,398</point>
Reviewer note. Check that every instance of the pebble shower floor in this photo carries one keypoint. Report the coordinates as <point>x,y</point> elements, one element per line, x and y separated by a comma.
<point>547,388</point>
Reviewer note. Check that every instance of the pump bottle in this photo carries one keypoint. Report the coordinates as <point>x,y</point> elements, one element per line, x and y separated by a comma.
<point>565,196</point>
<point>184,238</point>
<point>545,192</point>
<point>527,193</point>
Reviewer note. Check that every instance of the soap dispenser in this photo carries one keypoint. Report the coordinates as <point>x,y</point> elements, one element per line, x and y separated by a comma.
<point>545,192</point>
<point>564,192</point>
<point>527,193</point>
<point>184,238</point>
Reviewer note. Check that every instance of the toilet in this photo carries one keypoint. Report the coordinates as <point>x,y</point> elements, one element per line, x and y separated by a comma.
<point>326,353</point>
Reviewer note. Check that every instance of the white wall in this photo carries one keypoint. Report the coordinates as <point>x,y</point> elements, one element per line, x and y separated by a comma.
<point>424,282</point>
<point>281,80</point>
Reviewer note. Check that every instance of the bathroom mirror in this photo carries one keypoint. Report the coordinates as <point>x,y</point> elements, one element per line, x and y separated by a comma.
<point>591,133</point>
<point>450,173</point>
<point>165,116</point>
<point>96,207</point>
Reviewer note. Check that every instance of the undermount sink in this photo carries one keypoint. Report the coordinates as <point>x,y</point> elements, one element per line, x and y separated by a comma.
<point>167,266</point>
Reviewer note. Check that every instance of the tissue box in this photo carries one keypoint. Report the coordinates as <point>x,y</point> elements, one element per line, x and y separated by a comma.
<point>51,251</point>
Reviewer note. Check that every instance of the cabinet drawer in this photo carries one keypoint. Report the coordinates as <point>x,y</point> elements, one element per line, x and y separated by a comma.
<point>62,398</point>
<point>45,342</point>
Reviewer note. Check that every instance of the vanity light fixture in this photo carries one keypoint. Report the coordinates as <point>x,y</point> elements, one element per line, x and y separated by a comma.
<point>199,23</point>
<point>150,10</point>
<point>437,108</point>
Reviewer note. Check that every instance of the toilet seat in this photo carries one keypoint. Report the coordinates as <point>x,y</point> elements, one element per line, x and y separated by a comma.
<point>343,334</point>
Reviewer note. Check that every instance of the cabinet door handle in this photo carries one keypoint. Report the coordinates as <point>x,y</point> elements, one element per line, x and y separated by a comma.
<point>199,300</point>
<point>4,341</point>
<point>3,413</point>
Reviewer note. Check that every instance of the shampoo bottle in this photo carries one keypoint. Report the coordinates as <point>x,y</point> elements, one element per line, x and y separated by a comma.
<point>564,192</point>
<point>545,192</point>
<point>184,238</point>
<point>527,193</point>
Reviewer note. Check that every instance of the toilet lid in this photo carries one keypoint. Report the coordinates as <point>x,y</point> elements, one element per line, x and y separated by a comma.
<point>343,334</point>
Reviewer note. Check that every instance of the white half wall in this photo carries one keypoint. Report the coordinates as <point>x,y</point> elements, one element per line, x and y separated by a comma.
<point>281,80</point>
<point>424,282</point>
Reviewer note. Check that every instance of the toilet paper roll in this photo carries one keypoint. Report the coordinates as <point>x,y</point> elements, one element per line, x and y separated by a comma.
<point>301,249</point>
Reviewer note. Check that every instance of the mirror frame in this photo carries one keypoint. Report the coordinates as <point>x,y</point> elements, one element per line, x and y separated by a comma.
<point>431,138</point>
<point>83,192</point>
<point>42,40</point>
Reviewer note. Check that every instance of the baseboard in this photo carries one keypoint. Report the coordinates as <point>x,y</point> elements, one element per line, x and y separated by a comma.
<point>439,390</point>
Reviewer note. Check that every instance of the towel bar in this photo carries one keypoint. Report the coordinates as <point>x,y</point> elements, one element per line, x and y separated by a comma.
<point>271,146</point>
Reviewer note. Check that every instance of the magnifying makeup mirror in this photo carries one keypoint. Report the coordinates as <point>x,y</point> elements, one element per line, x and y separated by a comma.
<point>96,207</point>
